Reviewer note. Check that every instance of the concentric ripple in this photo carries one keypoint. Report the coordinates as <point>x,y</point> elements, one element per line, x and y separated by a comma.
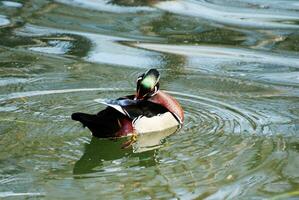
<point>212,115</point>
<point>233,66</point>
<point>205,114</point>
<point>214,128</point>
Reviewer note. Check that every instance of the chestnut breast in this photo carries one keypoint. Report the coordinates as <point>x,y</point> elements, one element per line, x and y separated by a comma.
<point>170,103</point>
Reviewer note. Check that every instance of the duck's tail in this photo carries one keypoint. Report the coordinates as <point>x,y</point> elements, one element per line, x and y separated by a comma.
<point>90,121</point>
<point>103,124</point>
<point>86,119</point>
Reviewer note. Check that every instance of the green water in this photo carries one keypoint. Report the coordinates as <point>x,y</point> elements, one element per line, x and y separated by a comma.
<point>233,65</point>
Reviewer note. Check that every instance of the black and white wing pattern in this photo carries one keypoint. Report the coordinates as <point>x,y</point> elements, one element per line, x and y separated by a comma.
<point>134,108</point>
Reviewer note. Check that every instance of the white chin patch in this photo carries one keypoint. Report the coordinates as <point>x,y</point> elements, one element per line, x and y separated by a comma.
<point>157,123</point>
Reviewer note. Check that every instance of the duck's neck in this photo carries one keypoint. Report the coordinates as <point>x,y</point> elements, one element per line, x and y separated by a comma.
<point>150,95</point>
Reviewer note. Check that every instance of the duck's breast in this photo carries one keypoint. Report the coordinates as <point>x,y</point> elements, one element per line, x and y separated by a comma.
<point>169,103</point>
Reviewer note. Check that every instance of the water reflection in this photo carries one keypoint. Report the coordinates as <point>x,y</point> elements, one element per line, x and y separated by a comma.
<point>101,150</point>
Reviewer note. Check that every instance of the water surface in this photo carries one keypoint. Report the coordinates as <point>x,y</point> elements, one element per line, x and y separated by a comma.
<point>233,65</point>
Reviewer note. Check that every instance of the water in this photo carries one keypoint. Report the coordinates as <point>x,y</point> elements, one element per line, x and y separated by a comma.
<point>233,65</point>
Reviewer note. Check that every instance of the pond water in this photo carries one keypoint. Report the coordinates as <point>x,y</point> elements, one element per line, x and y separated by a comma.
<point>233,65</point>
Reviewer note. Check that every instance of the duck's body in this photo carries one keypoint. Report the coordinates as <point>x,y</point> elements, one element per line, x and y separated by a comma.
<point>144,112</point>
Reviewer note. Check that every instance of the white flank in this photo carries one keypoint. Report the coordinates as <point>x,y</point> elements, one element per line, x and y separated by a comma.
<point>154,124</point>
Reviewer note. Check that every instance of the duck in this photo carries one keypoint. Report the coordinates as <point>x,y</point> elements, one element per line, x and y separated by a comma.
<point>148,110</point>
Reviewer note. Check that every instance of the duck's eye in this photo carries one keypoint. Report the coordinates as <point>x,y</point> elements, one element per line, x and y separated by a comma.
<point>140,78</point>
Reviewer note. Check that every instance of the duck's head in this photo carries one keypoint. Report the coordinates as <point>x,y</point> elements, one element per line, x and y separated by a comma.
<point>147,84</point>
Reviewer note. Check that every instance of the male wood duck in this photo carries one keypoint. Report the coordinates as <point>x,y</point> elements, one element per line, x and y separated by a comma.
<point>149,110</point>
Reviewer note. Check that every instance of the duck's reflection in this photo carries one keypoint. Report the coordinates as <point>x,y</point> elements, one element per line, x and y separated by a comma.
<point>100,150</point>
<point>150,141</point>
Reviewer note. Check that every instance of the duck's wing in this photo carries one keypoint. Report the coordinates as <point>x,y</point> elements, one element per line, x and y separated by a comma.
<point>120,105</point>
<point>134,108</point>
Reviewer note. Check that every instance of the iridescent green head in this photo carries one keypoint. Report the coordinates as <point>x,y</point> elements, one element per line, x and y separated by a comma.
<point>148,84</point>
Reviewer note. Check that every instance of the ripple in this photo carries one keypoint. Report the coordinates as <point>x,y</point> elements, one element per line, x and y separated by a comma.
<point>206,114</point>
<point>11,4</point>
<point>9,81</point>
<point>241,17</point>
<point>56,47</point>
<point>3,20</point>
<point>218,116</point>
<point>49,92</point>
<point>239,94</point>
<point>291,78</point>
<point>222,54</point>
<point>20,194</point>
<point>261,4</point>
<point>104,5</point>
<point>105,49</point>
<point>211,144</point>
